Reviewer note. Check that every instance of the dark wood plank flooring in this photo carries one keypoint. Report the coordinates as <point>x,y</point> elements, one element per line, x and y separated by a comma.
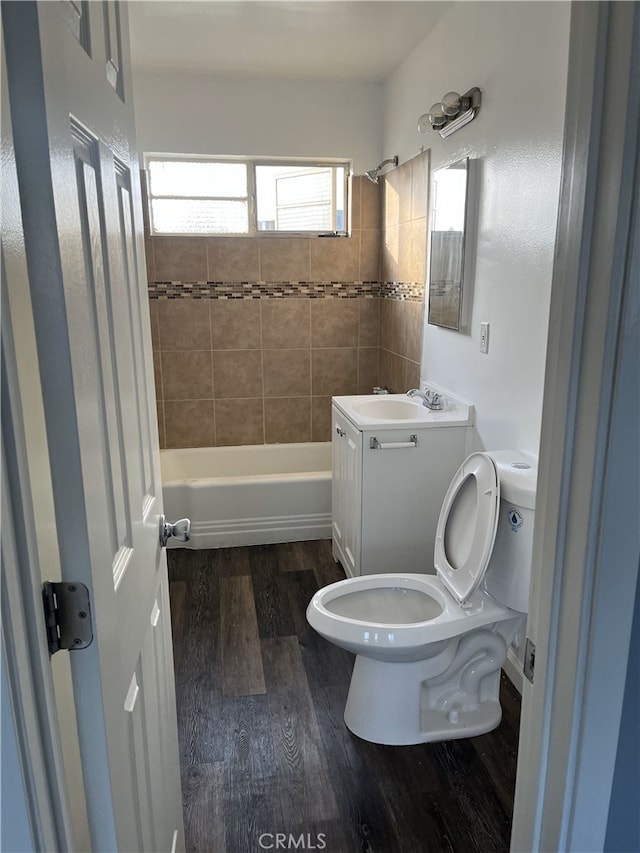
<point>263,746</point>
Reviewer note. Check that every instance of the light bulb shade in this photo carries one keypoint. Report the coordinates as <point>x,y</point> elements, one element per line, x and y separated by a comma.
<point>437,115</point>
<point>451,104</point>
<point>424,123</point>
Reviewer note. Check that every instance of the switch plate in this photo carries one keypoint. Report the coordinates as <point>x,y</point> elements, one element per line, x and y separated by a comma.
<point>484,337</point>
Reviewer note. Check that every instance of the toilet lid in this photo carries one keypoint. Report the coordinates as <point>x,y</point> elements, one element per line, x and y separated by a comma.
<point>467,526</point>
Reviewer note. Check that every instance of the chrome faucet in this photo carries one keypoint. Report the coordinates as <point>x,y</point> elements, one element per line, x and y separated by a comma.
<point>430,399</point>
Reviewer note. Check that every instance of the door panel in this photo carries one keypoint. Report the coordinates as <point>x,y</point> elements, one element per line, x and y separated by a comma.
<point>77,171</point>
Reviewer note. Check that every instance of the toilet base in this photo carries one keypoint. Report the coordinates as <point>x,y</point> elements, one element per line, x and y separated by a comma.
<point>453,695</point>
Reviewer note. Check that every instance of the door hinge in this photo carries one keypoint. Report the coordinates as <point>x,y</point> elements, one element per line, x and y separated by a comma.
<point>529,659</point>
<point>67,613</point>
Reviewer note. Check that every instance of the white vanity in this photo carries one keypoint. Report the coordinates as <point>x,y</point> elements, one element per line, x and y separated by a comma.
<point>392,462</point>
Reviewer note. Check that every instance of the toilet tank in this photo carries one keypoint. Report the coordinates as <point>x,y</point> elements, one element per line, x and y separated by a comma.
<point>509,570</point>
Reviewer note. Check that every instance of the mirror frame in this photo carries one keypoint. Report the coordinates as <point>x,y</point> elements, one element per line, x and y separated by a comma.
<point>454,320</point>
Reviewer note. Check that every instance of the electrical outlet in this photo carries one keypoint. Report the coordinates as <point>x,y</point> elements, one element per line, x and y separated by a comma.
<point>484,337</point>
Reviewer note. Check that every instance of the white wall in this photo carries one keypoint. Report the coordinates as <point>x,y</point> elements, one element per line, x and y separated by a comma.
<point>517,54</point>
<point>206,114</point>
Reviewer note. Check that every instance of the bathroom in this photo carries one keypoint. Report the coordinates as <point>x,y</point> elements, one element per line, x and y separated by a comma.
<point>253,339</point>
<point>250,371</point>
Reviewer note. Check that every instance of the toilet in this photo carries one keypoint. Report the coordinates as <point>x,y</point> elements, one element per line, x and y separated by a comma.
<point>429,647</point>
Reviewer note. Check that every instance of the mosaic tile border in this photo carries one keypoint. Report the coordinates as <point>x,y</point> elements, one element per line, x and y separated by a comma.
<point>408,291</point>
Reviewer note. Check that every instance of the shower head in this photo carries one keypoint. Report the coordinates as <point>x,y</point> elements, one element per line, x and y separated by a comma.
<point>372,174</point>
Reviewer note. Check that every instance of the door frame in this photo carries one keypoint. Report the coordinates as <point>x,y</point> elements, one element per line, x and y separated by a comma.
<point>569,624</point>
<point>586,546</point>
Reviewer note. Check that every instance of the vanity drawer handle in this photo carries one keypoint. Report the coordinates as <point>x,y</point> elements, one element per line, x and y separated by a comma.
<point>374,444</point>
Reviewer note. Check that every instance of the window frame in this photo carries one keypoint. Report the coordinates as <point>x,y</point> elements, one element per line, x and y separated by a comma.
<point>252,207</point>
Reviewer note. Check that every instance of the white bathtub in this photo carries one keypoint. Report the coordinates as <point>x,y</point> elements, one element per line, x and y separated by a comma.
<point>249,495</point>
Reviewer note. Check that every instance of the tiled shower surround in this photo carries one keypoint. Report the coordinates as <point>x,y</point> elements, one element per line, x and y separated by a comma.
<point>252,336</point>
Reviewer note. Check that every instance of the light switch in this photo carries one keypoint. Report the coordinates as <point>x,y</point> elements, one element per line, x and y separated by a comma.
<point>484,337</point>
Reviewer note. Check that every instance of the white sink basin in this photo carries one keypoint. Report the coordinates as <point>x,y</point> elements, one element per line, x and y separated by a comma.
<point>386,410</point>
<point>397,411</point>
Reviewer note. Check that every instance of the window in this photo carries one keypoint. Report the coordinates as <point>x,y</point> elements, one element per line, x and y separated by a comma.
<point>189,196</point>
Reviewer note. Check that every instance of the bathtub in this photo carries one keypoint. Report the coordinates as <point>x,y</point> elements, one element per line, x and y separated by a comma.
<point>249,495</point>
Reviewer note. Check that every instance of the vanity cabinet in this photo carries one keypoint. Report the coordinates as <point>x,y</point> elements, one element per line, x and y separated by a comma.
<point>346,492</point>
<point>387,489</point>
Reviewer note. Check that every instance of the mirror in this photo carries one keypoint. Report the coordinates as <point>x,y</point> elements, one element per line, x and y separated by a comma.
<point>446,268</point>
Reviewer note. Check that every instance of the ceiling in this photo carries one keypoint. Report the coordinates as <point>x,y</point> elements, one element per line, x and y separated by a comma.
<point>363,40</point>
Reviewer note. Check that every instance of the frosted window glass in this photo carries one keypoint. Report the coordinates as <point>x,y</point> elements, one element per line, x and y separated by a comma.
<point>300,188</point>
<point>301,198</point>
<point>197,216</point>
<point>192,179</point>
<point>308,218</point>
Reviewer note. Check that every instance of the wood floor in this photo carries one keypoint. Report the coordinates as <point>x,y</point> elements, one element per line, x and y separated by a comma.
<point>264,749</point>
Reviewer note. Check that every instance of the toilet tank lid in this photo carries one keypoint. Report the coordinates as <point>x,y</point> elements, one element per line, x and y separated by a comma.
<point>518,477</point>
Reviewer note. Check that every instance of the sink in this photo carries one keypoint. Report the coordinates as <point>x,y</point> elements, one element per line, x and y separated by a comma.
<point>390,410</point>
<point>399,412</point>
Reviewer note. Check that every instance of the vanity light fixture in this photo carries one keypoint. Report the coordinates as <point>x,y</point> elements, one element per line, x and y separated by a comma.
<point>451,113</point>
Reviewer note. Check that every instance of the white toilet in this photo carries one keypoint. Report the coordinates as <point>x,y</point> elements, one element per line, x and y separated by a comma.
<point>430,647</point>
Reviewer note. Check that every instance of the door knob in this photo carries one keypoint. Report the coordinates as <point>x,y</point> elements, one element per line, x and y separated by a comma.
<point>180,530</point>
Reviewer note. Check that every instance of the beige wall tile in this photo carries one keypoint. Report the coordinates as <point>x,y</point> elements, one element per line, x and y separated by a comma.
<point>287,420</point>
<point>367,369</point>
<point>412,250</point>
<point>233,259</point>
<point>285,259</point>
<point>385,369</point>
<point>180,258</point>
<point>356,193</point>
<point>334,371</point>
<point>321,419</point>
<point>412,374</point>
<point>335,258</point>
<point>153,319</point>
<point>370,255</point>
<point>370,204</point>
<point>189,423</point>
<point>237,373</point>
<point>161,436</point>
<point>390,259</point>
<point>184,324</point>
<point>398,373</point>
<point>157,374</point>
<point>420,186</point>
<point>408,331</point>
<point>286,323</point>
<point>369,322</point>
<point>239,422</point>
<point>287,373</point>
<point>187,375</point>
<point>235,323</point>
<point>387,319</point>
<point>397,196</point>
<point>390,203</point>
<point>334,322</point>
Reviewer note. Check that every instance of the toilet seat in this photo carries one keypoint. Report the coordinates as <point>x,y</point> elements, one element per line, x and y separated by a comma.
<point>467,526</point>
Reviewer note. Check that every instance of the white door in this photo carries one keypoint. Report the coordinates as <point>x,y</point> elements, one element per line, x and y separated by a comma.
<point>70,99</point>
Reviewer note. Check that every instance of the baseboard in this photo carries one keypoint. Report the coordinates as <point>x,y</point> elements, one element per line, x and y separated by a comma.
<point>513,670</point>
<point>229,533</point>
